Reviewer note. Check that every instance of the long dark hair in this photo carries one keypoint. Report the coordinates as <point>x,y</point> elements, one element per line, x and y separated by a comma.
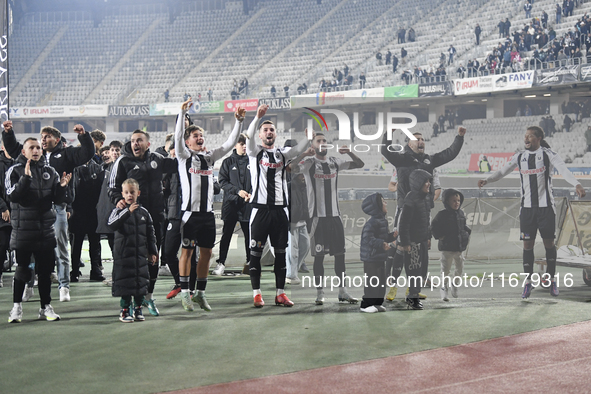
<point>539,132</point>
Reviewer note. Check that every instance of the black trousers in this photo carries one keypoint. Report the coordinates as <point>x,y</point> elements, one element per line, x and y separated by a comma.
<point>228,231</point>
<point>4,244</point>
<point>374,283</point>
<point>44,265</point>
<point>94,241</point>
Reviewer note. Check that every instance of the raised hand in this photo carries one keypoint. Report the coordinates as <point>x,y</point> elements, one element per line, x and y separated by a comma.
<point>580,191</point>
<point>310,137</point>
<point>7,125</point>
<point>240,113</point>
<point>461,131</point>
<point>153,259</point>
<point>309,152</point>
<point>79,129</point>
<point>187,104</point>
<point>344,149</point>
<point>121,204</point>
<point>134,206</point>
<point>65,179</point>
<point>28,168</point>
<point>481,183</point>
<point>6,216</point>
<point>262,110</point>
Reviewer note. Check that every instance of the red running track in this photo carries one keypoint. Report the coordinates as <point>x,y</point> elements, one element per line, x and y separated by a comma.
<point>554,360</point>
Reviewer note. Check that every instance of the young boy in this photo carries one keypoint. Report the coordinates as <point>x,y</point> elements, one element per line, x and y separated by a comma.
<point>135,243</point>
<point>414,233</point>
<point>375,243</point>
<point>449,227</point>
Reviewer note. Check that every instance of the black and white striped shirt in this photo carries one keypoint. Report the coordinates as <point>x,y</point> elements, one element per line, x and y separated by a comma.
<point>535,171</point>
<point>322,184</point>
<point>267,169</point>
<point>196,169</point>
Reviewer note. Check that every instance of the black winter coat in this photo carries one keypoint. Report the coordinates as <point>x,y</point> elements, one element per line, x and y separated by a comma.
<point>88,180</point>
<point>104,206</point>
<point>234,176</point>
<point>31,200</point>
<point>407,161</point>
<point>414,219</point>
<point>148,171</point>
<point>298,198</point>
<point>449,226</point>
<point>134,241</point>
<point>62,159</point>
<point>5,164</point>
<point>375,232</point>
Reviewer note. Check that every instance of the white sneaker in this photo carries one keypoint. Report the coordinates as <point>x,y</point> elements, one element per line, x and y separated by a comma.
<point>164,271</point>
<point>380,308</point>
<point>48,313</point>
<point>454,292</point>
<point>443,292</point>
<point>64,294</point>
<point>16,314</point>
<point>287,281</point>
<point>186,301</point>
<point>369,309</point>
<point>296,281</point>
<point>1,283</point>
<point>219,270</point>
<point>28,293</point>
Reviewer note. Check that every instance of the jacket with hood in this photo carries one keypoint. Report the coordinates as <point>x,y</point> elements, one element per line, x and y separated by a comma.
<point>63,158</point>
<point>407,161</point>
<point>31,199</point>
<point>5,164</point>
<point>449,226</point>
<point>104,205</point>
<point>234,176</point>
<point>414,219</point>
<point>375,232</point>
<point>135,240</point>
<point>87,180</point>
<point>147,171</point>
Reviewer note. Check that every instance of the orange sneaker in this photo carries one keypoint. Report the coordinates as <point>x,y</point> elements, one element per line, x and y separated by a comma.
<point>258,301</point>
<point>282,299</point>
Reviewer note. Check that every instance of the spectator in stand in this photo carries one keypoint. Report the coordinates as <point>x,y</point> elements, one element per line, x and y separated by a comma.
<point>274,91</point>
<point>477,31</point>
<point>210,94</point>
<point>558,13</point>
<point>412,36</point>
<point>544,19</point>
<point>527,8</point>
<point>567,123</point>
<point>451,52</point>
<point>286,90</point>
<point>507,27</point>
<point>166,94</point>
<point>570,6</point>
<point>401,35</point>
<point>406,77</point>
<point>588,138</point>
<point>379,58</point>
<point>435,129</point>
<point>441,121</point>
<point>403,54</point>
<point>501,27</point>
<point>185,96</point>
<point>346,71</point>
<point>395,60</point>
<point>388,57</point>
<point>362,81</point>
<point>527,111</point>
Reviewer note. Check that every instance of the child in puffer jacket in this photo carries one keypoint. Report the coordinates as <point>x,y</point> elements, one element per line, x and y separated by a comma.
<point>375,243</point>
<point>449,227</point>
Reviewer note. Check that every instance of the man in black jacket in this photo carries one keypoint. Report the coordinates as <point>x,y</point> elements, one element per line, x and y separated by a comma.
<point>5,228</point>
<point>33,188</point>
<point>63,159</point>
<point>234,177</point>
<point>139,163</point>
<point>477,31</point>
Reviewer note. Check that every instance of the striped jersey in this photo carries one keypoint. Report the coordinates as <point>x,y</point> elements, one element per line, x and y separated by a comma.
<point>535,171</point>
<point>267,175</point>
<point>322,184</point>
<point>196,169</point>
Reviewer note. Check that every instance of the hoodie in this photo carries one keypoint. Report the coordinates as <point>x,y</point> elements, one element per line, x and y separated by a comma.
<point>414,219</point>
<point>449,226</point>
<point>375,232</point>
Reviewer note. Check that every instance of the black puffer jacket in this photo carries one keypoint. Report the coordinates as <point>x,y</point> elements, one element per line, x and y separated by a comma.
<point>31,199</point>
<point>5,164</point>
<point>172,194</point>
<point>148,172</point>
<point>134,242</point>
<point>449,226</point>
<point>62,159</point>
<point>407,161</point>
<point>375,232</point>
<point>104,206</point>
<point>87,180</point>
<point>414,219</point>
<point>298,198</point>
<point>235,176</point>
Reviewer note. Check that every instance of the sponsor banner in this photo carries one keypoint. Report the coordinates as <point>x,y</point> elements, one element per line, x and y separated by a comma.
<point>586,72</point>
<point>404,91</point>
<point>568,233</point>
<point>249,105</point>
<point>473,85</point>
<point>557,76</point>
<point>435,89</point>
<point>577,171</point>
<point>356,96</point>
<point>164,109</point>
<point>82,111</point>
<point>276,103</point>
<point>511,81</point>
<point>3,62</point>
<point>206,107</point>
<point>128,111</point>
<point>496,160</point>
